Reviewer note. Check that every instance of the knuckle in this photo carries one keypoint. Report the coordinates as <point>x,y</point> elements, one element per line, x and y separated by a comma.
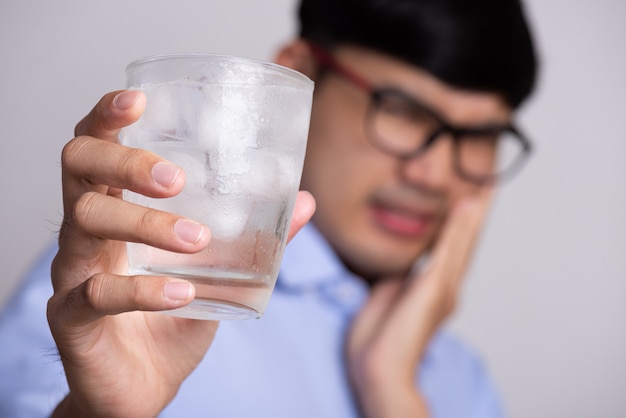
<point>129,160</point>
<point>133,165</point>
<point>93,117</point>
<point>72,150</point>
<point>79,129</point>
<point>94,291</point>
<point>114,297</point>
<point>86,207</point>
<point>149,221</point>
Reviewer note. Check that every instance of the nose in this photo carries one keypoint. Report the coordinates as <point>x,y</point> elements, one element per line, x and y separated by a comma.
<point>431,169</point>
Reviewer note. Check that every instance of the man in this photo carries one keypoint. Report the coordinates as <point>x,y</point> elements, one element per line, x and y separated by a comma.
<point>412,113</point>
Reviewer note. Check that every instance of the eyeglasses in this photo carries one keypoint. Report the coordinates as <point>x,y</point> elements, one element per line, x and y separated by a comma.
<point>400,125</point>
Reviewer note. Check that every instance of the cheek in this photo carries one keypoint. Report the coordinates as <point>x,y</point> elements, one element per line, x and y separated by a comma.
<point>341,171</point>
<point>338,151</point>
<point>335,174</point>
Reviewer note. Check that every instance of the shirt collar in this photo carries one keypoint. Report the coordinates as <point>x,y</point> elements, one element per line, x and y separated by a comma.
<point>309,261</point>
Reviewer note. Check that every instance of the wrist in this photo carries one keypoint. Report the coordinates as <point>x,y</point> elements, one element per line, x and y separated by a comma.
<point>400,404</point>
<point>389,398</point>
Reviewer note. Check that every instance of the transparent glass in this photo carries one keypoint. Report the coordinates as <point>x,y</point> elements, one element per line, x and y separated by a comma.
<point>238,128</point>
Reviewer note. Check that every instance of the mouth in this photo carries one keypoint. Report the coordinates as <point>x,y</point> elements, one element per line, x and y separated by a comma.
<point>402,220</point>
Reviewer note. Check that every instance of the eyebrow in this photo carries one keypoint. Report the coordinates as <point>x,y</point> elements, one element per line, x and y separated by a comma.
<point>415,102</point>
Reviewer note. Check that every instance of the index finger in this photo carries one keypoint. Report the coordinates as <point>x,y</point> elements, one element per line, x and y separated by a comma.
<point>453,250</point>
<point>114,111</point>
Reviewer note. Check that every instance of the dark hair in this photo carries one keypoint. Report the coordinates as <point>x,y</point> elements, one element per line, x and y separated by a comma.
<point>480,45</point>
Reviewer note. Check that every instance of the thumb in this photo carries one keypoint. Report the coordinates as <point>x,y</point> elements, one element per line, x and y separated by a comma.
<point>108,294</point>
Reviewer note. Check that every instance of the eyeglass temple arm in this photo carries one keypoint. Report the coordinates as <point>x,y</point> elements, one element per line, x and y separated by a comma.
<point>327,61</point>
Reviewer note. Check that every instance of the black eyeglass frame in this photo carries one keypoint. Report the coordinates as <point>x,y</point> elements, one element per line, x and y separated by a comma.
<point>377,95</point>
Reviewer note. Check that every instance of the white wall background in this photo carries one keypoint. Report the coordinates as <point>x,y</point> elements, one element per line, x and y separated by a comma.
<point>545,298</point>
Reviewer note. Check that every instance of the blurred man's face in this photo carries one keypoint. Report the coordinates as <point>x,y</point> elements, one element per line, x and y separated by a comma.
<point>380,212</point>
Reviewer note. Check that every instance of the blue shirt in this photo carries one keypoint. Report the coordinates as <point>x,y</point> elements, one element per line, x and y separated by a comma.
<point>287,364</point>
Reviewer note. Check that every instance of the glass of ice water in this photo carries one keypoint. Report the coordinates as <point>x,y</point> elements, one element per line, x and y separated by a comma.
<point>238,128</point>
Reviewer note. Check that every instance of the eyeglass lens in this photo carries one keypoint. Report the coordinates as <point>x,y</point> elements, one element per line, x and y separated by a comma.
<point>404,128</point>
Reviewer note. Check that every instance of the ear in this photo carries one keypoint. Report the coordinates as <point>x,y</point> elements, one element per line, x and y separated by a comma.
<point>297,56</point>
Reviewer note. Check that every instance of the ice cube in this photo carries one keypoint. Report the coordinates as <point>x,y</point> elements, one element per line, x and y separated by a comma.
<point>226,216</point>
<point>270,174</point>
<point>227,128</point>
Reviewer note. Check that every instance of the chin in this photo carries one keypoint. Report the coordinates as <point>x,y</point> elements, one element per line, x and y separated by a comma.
<point>372,264</point>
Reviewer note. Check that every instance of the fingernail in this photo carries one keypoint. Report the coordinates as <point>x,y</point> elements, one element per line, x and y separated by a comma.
<point>125,100</point>
<point>188,231</point>
<point>178,290</point>
<point>165,173</point>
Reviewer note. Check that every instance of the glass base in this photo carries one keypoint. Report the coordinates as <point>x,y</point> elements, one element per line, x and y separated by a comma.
<point>215,310</point>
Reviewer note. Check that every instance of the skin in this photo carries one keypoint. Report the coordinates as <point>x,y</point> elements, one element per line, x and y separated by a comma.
<point>379,213</point>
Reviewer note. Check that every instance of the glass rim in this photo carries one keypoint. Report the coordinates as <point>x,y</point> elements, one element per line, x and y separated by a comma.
<point>294,75</point>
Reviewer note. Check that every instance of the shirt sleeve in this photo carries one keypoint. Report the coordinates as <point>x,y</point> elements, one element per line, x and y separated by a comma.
<point>32,382</point>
